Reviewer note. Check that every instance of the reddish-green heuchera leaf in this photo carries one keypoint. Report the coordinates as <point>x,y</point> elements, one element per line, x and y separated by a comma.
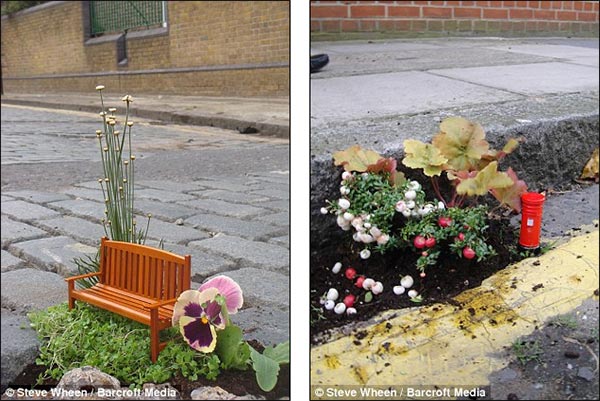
<point>511,196</point>
<point>355,158</point>
<point>423,155</point>
<point>485,180</point>
<point>388,165</point>
<point>462,142</point>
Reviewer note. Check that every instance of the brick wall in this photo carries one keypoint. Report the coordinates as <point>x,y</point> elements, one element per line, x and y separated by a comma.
<point>209,48</point>
<point>456,17</point>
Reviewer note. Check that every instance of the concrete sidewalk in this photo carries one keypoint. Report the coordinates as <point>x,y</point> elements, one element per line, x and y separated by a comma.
<point>262,116</point>
<point>379,93</point>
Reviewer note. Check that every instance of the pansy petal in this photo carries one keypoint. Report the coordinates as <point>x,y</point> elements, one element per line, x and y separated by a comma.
<point>229,289</point>
<point>213,313</point>
<point>186,298</point>
<point>198,333</point>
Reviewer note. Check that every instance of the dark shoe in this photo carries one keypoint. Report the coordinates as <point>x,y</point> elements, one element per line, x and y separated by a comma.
<point>318,61</point>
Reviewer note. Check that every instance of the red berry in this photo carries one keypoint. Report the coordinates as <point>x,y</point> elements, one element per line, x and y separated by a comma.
<point>461,236</point>
<point>430,242</point>
<point>444,221</point>
<point>419,242</point>
<point>424,253</point>
<point>349,300</point>
<point>423,275</point>
<point>350,273</point>
<point>359,281</point>
<point>468,253</point>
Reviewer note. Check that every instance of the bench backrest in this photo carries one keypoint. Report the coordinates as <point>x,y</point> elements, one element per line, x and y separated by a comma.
<point>144,270</point>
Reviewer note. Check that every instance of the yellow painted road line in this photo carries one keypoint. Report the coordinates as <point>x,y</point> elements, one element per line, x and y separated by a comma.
<point>461,345</point>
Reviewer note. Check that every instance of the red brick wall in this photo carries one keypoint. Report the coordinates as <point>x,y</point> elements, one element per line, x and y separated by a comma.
<point>467,17</point>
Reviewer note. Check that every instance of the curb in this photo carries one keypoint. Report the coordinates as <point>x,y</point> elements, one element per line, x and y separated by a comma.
<point>462,344</point>
<point>242,126</point>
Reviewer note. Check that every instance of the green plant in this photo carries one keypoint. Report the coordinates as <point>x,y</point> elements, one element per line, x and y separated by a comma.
<point>266,365</point>
<point>526,351</point>
<point>460,150</point>
<point>117,184</point>
<point>567,321</point>
<point>116,345</point>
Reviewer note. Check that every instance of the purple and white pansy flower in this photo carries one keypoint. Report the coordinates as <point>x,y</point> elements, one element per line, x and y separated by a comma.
<point>229,289</point>
<point>198,314</point>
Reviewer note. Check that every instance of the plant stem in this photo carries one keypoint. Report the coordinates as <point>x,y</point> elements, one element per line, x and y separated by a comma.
<point>436,188</point>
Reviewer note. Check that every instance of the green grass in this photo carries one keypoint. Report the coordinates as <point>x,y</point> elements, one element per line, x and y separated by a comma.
<point>526,351</point>
<point>115,345</point>
<point>567,321</point>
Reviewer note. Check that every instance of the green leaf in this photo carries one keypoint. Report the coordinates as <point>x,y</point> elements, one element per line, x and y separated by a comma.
<point>355,158</point>
<point>368,297</point>
<point>266,370</point>
<point>425,156</point>
<point>462,142</point>
<point>280,353</point>
<point>511,196</point>
<point>487,179</point>
<point>231,349</point>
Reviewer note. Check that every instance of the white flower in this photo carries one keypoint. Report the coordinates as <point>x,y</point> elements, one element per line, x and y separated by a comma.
<point>356,236</point>
<point>441,205</point>
<point>407,281</point>
<point>413,293</point>
<point>400,206</point>
<point>367,225</point>
<point>365,254</point>
<point>377,288</point>
<point>357,222</point>
<point>414,213</point>
<point>344,190</point>
<point>375,232</point>
<point>332,294</point>
<point>351,311</point>
<point>346,175</point>
<point>336,268</point>
<point>329,304</point>
<point>414,185</point>
<point>348,216</point>
<point>410,195</point>
<point>341,221</point>
<point>346,227</point>
<point>383,239</point>
<point>366,238</point>
<point>344,203</point>
<point>399,290</point>
<point>368,283</point>
<point>410,204</point>
<point>367,217</point>
<point>406,213</point>
<point>99,87</point>
<point>365,175</point>
<point>324,210</point>
<point>340,308</point>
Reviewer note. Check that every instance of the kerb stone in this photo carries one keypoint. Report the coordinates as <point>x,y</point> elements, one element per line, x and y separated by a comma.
<point>19,346</point>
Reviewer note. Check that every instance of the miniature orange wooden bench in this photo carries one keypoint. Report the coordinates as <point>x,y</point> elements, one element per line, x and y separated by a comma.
<point>139,282</point>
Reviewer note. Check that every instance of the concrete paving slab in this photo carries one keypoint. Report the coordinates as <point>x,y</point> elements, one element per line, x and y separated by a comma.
<point>225,208</point>
<point>22,210</point>
<point>4,198</point>
<point>19,345</point>
<point>10,262</point>
<point>284,241</point>
<point>165,211</point>
<point>55,254</point>
<point>591,61</point>
<point>563,52</point>
<point>252,253</point>
<point>267,325</point>
<point>169,185</point>
<point>14,231</point>
<point>85,193</point>
<point>253,230</point>
<point>228,196</point>
<point>171,232</point>
<point>162,195</point>
<point>529,79</point>
<point>25,290</point>
<point>381,95</point>
<point>281,219</point>
<point>38,196</point>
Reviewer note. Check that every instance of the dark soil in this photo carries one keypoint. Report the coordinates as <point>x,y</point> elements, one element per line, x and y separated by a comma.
<point>445,280</point>
<point>234,381</point>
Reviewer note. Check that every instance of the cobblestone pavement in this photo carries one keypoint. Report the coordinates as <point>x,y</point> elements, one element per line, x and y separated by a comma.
<point>218,195</point>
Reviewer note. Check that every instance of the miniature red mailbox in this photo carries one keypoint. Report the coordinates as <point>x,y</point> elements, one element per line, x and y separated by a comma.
<point>532,205</point>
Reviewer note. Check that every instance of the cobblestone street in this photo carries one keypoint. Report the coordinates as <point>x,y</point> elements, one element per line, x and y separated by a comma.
<point>216,194</point>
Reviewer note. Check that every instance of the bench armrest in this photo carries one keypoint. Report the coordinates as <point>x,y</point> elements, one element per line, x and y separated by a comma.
<point>158,304</point>
<point>82,276</point>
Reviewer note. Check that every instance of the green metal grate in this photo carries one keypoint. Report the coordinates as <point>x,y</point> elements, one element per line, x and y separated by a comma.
<point>118,16</point>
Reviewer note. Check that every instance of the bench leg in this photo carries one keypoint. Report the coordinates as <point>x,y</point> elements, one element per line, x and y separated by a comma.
<point>154,335</point>
<point>71,299</point>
